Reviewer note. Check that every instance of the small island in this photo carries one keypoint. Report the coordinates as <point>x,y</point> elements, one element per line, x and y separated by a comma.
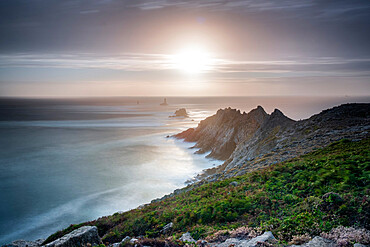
<point>164,102</point>
<point>180,113</point>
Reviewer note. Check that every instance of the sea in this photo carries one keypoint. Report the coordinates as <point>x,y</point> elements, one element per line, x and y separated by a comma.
<point>66,161</point>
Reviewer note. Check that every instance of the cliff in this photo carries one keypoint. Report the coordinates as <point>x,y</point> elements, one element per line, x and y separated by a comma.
<point>222,132</point>
<point>256,139</point>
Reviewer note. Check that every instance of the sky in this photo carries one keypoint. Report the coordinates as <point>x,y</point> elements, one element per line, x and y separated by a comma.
<point>64,48</point>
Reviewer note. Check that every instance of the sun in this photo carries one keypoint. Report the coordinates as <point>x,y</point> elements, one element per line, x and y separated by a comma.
<point>193,60</point>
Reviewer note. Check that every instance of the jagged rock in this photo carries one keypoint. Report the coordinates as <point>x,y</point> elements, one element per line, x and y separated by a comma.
<point>267,236</point>
<point>167,228</point>
<point>126,239</point>
<point>234,183</point>
<point>180,113</point>
<point>256,139</point>
<point>221,132</point>
<point>186,237</point>
<point>79,237</point>
<point>203,243</point>
<point>359,245</point>
<point>123,241</point>
<point>317,242</point>
<point>25,243</point>
<point>133,240</point>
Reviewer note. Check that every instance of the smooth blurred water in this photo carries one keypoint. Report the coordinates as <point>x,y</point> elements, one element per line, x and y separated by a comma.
<point>69,161</point>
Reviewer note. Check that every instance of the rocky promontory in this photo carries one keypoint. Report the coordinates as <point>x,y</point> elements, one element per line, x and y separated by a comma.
<point>221,132</point>
<point>248,141</point>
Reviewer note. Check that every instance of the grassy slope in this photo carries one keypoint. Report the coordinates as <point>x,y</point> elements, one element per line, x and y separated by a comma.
<point>286,198</point>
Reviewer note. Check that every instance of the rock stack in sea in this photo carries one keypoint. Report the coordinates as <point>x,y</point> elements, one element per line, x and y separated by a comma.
<point>180,113</point>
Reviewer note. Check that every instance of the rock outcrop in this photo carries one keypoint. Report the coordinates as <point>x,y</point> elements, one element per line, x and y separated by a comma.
<point>255,140</point>
<point>318,242</point>
<point>167,228</point>
<point>186,237</point>
<point>83,236</point>
<point>180,113</point>
<point>221,133</point>
<point>25,243</point>
<point>236,242</point>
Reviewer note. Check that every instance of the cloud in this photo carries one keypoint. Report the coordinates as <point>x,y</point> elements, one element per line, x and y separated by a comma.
<point>245,5</point>
<point>127,62</point>
<point>322,66</point>
<point>299,8</point>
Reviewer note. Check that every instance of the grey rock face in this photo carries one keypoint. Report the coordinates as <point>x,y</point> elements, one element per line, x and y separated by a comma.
<point>25,243</point>
<point>263,238</point>
<point>267,236</point>
<point>221,132</point>
<point>167,228</point>
<point>186,237</point>
<point>359,245</point>
<point>133,240</point>
<point>234,183</point>
<point>318,242</point>
<point>256,140</point>
<point>79,237</point>
<point>126,239</point>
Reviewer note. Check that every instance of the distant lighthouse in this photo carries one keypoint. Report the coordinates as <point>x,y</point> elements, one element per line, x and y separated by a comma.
<point>164,102</point>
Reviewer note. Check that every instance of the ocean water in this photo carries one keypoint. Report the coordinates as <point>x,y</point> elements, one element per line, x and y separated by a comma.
<point>73,160</point>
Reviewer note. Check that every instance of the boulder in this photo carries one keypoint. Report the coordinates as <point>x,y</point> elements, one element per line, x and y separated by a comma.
<point>186,237</point>
<point>80,237</point>
<point>133,240</point>
<point>25,243</point>
<point>359,245</point>
<point>267,236</point>
<point>126,240</point>
<point>167,228</point>
<point>317,242</point>
<point>234,183</point>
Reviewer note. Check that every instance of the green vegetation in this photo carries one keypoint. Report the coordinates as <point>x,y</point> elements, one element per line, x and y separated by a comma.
<point>310,194</point>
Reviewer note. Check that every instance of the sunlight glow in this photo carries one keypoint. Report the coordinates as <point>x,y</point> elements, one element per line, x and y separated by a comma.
<point>193,60</point>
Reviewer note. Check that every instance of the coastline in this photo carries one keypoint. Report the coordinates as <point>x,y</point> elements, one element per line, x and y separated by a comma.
<point>203,175</point>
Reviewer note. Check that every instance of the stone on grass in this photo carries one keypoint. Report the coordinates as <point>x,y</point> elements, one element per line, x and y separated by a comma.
<point>236,242</point>
<point>83,236</point>
<point>25,243</point>
<point>318,242</point>
<point>186,237</point>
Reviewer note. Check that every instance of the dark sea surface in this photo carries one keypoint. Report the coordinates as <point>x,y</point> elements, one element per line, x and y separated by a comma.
<point>71,160</point>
